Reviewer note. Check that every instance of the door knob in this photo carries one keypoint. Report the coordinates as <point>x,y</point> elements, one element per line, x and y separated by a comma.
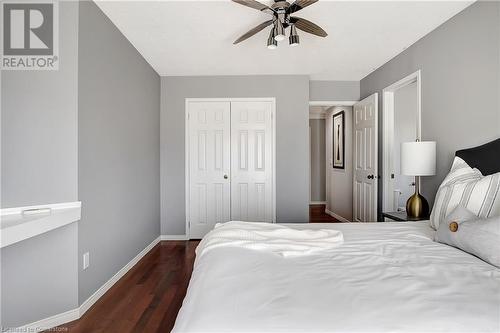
<point>370,177</point>
<point>225,177</point>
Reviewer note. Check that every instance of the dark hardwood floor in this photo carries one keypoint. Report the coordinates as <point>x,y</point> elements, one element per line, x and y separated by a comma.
<point>147,298</point>
<point>317,215</point>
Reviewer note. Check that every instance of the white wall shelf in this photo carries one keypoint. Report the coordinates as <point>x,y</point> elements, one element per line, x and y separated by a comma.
<point>20,223</point>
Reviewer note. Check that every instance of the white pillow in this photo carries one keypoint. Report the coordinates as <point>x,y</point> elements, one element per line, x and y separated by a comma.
<point>468,188</point>
<point>479,237</point>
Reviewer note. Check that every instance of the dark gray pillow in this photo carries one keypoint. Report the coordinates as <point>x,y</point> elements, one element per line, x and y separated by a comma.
<point>464,230</point>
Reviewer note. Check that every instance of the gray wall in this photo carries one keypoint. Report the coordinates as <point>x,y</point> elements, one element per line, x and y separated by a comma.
<point>339,181</point>
<point>333,90</point>
<point>118,147</point>
<point>405,130</point>
<point>460,84</point>
<point>39,126</point>
<point>39,277</point>
<point>39,111</point>
<point>318,159</point>
<point>292,151</point>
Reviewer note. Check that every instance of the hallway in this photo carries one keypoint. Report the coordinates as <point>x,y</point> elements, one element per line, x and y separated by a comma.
<point>317,215</point>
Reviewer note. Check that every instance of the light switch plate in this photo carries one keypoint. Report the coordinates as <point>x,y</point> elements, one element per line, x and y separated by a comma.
<point>86,260</point>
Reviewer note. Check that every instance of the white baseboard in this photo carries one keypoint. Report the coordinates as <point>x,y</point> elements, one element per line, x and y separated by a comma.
<point>66,317</point>
<point>48,323</point>
<point>105,287</point>
<point>338,217</point>
<point>317,203</point>
<point>173,237</point>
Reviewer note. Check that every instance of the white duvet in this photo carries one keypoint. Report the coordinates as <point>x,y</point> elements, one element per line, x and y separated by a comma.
<point>385,277</point>
<point>275,238</point>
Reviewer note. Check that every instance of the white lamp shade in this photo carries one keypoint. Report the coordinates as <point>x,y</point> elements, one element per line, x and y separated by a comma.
<point>418,158</point>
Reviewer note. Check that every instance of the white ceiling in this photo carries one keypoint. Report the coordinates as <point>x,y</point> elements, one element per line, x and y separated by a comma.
<point>195,37</point>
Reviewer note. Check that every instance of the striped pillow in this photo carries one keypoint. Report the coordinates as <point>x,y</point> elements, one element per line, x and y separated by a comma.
<point>468,188</point>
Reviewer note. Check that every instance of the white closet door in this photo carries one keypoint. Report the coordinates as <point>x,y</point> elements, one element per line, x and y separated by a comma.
<point>210,162</point>
<point>365,159</point>
<point>251,162</point>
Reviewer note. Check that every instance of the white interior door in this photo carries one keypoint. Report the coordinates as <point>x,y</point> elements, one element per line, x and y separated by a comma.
<point>365,159</point>
<point>209,165</point>
<point>251,162</point>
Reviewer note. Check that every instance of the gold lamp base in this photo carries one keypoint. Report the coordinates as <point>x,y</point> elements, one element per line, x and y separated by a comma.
<point>417,206</point>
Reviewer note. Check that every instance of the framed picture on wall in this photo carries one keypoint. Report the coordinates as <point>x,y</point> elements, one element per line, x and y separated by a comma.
<point>338,140</point>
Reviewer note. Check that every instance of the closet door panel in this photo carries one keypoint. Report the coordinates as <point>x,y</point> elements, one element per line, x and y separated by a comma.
<point>209,165</point>
<point>251,162</point>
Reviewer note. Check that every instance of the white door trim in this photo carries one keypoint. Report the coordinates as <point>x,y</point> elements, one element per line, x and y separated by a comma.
<point>310,163</point>
<point>332,103</point>
<point>388,131</point>
<point>186,145</point>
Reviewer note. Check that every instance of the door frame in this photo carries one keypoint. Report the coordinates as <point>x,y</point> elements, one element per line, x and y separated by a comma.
<point>388,131</point>
<point>186,147</point>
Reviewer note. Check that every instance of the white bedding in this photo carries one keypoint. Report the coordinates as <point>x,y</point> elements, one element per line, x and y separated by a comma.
<point>385,277</point>
<point>276,238</point>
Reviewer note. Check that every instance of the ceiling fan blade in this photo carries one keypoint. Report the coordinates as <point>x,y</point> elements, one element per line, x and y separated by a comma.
<point>308,26</point>
<point>253,31</point>
<point>255,5</point>
<point>299,4</point>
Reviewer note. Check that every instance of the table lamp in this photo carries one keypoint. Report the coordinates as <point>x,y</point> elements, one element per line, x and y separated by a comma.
<point>418,159</point>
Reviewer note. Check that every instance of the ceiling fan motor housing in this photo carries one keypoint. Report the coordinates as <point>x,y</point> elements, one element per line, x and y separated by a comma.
<point>280,9</point>
<point>280,5</point>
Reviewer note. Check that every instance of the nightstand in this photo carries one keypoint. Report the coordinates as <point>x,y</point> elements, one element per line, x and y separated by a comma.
<point>401,217</point>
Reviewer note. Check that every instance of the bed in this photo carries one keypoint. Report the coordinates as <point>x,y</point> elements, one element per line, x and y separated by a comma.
<point>386,277</point>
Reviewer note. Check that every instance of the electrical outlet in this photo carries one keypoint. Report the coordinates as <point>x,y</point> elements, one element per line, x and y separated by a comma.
<point>86,260</point>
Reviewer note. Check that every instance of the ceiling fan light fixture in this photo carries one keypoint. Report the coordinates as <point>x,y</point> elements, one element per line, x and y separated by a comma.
<point>294,36</point>
<point>294,40</point>
<point>271,41</point>
<point>279,31</point>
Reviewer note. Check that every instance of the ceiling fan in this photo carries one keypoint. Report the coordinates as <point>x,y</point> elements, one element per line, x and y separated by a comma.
<point>281,19</point>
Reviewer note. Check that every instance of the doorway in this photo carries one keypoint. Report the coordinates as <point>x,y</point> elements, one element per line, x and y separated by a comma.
<point>402,123</point>
<point>230,160</point>
<point>331,186</point>
<point>318,165</point>
<point>317,149</point>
